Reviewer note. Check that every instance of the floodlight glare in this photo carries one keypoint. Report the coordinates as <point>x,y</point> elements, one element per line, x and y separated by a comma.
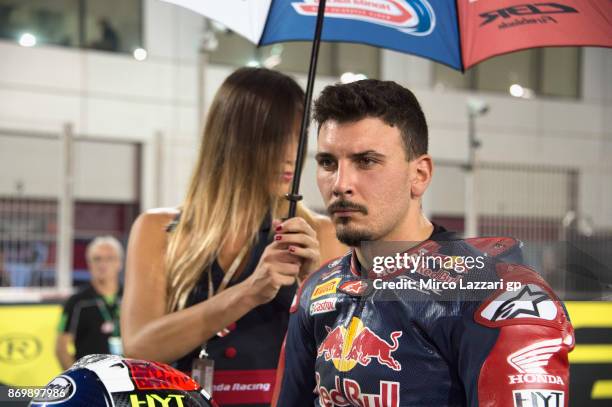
<point>517,90</point>
<point>27,40</point>
<point>140,54</point>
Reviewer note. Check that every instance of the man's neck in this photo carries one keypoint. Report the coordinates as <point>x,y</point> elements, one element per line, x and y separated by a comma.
<point>105,287</point>
<point>414,231</point>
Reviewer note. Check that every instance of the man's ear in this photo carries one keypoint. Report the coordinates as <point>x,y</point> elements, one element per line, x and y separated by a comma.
<point>421,169</point>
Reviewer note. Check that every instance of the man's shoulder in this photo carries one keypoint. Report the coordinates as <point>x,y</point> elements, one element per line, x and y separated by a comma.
<point>84,293</point>
<point>486,252</point>
<point>500,289</point>
<point>524,298</point>
<point>521,296</point>
<point>494,246</point>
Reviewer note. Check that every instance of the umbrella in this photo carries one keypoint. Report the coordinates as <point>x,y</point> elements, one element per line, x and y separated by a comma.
<point>457,33</point>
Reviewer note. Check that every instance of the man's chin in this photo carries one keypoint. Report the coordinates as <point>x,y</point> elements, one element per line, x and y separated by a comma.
<point>352,237</point>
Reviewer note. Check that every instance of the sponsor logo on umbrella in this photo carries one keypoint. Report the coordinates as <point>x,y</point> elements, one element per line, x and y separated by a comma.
<point>522,10</point>
<point>414,17</point>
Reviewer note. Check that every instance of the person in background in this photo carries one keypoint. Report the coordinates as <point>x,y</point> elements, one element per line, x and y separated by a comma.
<point>217,275</point>
<point>90,319</point>
<point>109,39</point>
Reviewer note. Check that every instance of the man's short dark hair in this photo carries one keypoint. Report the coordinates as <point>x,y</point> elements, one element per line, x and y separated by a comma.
<point>385,100</point>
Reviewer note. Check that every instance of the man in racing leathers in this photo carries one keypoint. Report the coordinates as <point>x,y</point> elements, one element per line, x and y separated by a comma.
<point>403,335</point>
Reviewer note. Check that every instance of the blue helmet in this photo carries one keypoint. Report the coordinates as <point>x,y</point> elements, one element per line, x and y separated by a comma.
<point>109,380</point>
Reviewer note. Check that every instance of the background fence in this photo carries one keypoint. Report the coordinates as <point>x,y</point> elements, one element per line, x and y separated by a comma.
<point>58,192</point>
<point>538,205</point>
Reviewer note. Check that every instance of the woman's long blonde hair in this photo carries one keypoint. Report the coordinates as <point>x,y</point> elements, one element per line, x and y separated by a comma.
<point>249,126</point>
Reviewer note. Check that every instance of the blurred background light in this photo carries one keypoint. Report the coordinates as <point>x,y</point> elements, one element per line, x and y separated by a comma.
<point>27,40</point>
<point>140,54</point>
<point>349,77</point>
<point>517,90</point>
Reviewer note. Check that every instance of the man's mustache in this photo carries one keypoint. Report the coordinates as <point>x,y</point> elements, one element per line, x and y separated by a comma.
<point>346,205</point>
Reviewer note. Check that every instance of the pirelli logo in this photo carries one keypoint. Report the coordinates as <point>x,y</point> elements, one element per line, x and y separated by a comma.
<point>326,288</point>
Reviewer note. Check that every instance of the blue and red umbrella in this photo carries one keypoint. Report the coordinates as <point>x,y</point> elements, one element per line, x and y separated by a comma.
<point>457,33</point>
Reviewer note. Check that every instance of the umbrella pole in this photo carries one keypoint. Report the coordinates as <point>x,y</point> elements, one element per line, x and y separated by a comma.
<point>295,196</point>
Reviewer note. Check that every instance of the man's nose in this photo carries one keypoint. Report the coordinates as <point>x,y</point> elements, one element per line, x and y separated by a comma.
<point>343,182</point>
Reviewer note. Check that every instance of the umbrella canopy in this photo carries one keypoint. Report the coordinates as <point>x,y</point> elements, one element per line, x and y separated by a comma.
<point>457,33</point>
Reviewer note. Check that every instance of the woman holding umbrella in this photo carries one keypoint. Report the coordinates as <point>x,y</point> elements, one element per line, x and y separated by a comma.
<point>215,278</point>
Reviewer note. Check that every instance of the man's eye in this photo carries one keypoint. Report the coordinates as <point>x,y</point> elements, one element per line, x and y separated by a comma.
<point>366,162</point>
<point>325,163</point>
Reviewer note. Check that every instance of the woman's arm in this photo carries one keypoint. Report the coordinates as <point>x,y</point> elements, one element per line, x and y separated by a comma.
<point>149,333</point>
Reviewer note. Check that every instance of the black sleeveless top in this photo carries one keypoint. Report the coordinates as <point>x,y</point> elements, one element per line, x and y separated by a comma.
<point>245,358</point>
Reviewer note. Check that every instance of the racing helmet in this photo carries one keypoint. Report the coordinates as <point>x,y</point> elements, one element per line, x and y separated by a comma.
<point>110,380</point>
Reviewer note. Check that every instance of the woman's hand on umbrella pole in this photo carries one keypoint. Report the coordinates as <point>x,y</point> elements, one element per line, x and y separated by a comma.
<point>275,269</point>
<point>294,253</point>
<point>299,239</point>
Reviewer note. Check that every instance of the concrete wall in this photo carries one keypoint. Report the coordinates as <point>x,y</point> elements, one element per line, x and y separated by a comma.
<point>542,131</point>
<point>112,96</point>
<point>115,97</point>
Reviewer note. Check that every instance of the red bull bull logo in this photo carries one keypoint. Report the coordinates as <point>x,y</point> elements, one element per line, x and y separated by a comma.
<point>357,344</point>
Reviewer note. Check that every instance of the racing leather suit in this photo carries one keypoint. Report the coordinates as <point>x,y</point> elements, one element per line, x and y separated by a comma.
<point>351,344</point>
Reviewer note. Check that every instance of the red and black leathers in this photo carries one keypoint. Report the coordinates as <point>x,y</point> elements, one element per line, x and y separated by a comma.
<point>352,344</point>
